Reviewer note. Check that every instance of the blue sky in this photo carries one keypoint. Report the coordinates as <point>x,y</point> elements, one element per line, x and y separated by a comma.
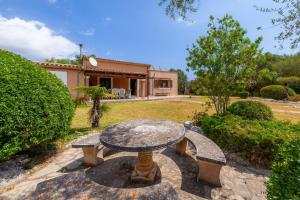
<point>135,30</point>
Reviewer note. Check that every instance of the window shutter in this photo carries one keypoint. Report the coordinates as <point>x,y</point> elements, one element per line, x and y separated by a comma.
<point>171,83</point>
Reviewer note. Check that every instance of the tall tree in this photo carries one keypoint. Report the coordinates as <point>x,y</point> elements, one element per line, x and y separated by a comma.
<point>181,8</point>
<point>182,80</point>
<point>224,60</point>
<point>288,19</point>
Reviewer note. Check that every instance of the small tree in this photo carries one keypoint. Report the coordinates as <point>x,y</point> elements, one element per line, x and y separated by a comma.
<point>266,77</point>
<point>96,93</point>
<point>287,81</point>
<point>182,80</point>
<point>224,60</point>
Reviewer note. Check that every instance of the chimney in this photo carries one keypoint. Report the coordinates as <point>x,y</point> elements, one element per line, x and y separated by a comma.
<point>80,50</point>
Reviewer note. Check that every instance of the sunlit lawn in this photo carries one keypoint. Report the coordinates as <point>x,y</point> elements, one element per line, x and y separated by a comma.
<point>178,110</point>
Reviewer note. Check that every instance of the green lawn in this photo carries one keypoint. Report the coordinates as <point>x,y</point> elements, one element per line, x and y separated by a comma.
<point>178,110</point>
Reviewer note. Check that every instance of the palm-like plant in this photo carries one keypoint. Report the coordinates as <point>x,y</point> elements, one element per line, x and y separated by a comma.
<point>96,93</point>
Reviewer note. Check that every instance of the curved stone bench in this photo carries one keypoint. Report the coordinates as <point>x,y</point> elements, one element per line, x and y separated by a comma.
<point>209,155</point>
<point>90,145</point>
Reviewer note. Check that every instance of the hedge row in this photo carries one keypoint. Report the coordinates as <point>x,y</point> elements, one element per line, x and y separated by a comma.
<point>256,140</point>
<point>35,106</point>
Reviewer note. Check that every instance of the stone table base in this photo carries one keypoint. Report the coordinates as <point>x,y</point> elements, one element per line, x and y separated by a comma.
<point>145,169</point>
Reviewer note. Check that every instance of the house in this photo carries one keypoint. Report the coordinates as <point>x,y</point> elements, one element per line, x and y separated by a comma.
<point>136,78</point>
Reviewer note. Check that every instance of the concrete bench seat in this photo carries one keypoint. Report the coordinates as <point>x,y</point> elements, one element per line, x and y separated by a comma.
<point>209,156</point>
<point>90,145</point>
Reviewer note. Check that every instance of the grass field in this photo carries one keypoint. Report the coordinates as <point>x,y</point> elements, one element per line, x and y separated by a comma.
<point>178,110</point>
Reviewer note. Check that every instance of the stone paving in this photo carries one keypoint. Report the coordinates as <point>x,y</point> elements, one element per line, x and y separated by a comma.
<point>65,178</point>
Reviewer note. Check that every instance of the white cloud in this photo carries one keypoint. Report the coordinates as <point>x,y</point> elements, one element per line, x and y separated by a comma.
<point>107,19</point>
<point>52,1</point>
<point>33,39</point>
<point>187,22</point>
<point>88,32</point>
<point>108,53</point>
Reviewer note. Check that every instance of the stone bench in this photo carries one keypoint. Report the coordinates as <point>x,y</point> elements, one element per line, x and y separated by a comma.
<point>209,156</point>
<point>90,145</point>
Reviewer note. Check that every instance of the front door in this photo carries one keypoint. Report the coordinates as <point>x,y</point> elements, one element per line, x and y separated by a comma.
<point>133,86</point>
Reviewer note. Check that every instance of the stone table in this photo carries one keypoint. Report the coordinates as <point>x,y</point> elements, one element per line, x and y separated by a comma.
<point>142,136</point>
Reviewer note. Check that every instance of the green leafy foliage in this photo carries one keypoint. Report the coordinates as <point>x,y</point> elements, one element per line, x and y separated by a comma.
<point>278,92</point>
<point>96,93</point>
<point>251,110</point>
<point>256,140</point>
<point>286,17</point>
<point>287,65</point>
<point>35,106</point>
<point>290,81</point>
<point>179,8</point>
<point>224,60</point>
<point>244,95</point>
<point>182,80</point>
<point>76,61</point>
<point>266,77</point>
<point>285,179</point>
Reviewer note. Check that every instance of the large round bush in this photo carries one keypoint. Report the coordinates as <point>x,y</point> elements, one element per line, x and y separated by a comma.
<point>284,182</point>
<point>276,92</point>
<point>35,106</point>
<point>251,110</point>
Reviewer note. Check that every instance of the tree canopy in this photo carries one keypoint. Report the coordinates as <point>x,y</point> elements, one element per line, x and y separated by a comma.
<point>182,80</point>
<point>288,19</point>
<point>76,61</point>
<point>181,8</point>
<point>224,60</point>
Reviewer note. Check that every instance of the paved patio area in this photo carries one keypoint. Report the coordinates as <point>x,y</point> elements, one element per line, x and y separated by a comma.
<point>65,178</point>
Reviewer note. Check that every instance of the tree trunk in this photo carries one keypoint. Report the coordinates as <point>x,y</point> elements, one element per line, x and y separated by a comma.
<point>95,115</point>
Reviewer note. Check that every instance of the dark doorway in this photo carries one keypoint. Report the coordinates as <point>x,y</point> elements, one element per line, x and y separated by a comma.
<point>133,86</point>
<point>105,82</point>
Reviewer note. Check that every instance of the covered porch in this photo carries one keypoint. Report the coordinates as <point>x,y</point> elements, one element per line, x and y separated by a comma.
<point>135,85</point>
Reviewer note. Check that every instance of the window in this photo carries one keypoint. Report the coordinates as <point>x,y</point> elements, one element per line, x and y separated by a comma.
<point>163,83</point>
<point>63,76</point>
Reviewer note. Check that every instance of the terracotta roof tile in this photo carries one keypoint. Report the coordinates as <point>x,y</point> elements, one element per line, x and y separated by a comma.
<point>59,65</point>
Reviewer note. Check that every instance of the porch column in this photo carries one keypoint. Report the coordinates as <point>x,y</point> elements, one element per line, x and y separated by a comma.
<point>87,80</point>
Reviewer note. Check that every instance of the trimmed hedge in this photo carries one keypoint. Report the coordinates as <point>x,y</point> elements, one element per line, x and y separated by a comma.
<point>276,92</point>
<point>251,110</point>
<point>284,183</point>
<point>35,106</point>
<point>255,140</point>
<point>244,95</point>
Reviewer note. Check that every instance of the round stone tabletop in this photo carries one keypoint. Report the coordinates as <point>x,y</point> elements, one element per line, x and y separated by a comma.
<point>142,135</point>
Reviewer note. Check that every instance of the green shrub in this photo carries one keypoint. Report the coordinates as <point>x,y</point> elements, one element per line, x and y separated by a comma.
<point>284,182</point>
<point>251,110</point>
<point>255,140</point>
<point>244,95</point>
<point>35,106</point>
<point>290,80</point>
<point>276,92</point>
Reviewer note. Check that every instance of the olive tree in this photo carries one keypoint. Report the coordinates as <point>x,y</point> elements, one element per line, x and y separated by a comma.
<point>224,60</point>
